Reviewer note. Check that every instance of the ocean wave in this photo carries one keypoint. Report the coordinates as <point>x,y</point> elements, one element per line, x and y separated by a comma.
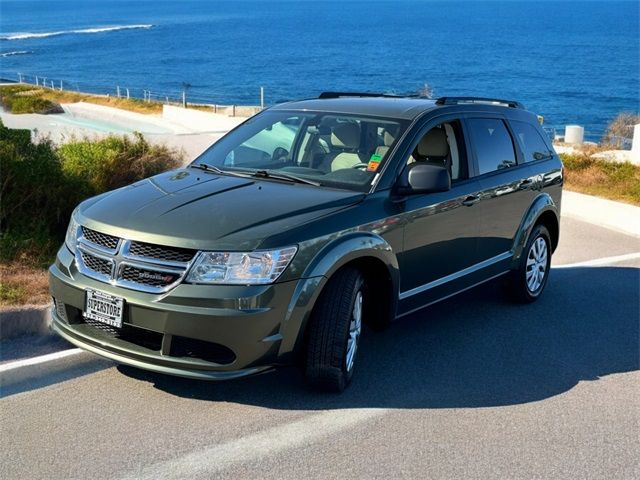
<point>27,35</point>
<point>17,52</point>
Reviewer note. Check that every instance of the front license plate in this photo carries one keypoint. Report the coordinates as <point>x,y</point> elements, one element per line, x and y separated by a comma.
<point>104,308</point>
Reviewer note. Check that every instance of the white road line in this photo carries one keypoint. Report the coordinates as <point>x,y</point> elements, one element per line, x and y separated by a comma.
<point>39,360</point>
<point>258,445</point>
<point>601,261</point>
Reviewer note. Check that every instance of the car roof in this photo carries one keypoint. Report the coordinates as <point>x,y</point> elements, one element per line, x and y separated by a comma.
<point>398,107</point>
<point>406,108</point>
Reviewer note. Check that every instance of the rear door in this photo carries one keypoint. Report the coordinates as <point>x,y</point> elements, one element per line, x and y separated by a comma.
<point>507,187</point>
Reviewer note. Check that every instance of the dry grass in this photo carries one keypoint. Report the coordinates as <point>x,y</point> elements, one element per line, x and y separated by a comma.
<point>612,180</point>
<point>21,284</point>
<point>132,105</point>
<point>9,92</point>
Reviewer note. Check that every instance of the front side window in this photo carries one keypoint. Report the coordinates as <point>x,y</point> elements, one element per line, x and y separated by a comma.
<point>443,145</point>
<point>334,150</point>
<point>532,143</point>
<point>492,144</point>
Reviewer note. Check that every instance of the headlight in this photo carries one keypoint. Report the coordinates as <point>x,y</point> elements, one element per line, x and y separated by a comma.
<point>237,268</point>
<point>72,233</point>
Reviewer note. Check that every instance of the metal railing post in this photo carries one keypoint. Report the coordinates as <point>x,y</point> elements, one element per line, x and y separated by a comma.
<point>262,97</point>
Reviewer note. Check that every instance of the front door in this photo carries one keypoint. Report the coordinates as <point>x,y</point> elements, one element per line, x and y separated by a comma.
<point>441,229</point>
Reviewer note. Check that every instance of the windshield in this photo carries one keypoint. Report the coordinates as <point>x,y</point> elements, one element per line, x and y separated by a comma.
<point>328,149</point>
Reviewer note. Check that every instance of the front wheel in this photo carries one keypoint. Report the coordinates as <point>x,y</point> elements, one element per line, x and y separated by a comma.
<point>528,281</point>
<point>334,332</point>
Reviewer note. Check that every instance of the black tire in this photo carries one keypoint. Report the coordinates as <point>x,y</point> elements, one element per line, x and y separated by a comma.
<point>519,288</point>
<point>325,361</point>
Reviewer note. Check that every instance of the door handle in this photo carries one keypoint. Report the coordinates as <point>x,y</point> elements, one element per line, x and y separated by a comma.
<point>471,200</point>
<point>525,184</point>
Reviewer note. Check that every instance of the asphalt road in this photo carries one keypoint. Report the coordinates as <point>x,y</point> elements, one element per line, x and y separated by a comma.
<point>474,387</point>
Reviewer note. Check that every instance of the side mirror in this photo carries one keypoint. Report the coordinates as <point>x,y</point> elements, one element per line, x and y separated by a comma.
<point>423,178</point>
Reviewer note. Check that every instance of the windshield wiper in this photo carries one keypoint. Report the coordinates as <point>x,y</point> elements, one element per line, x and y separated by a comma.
<point>284,176</point>
<point>213,169</point>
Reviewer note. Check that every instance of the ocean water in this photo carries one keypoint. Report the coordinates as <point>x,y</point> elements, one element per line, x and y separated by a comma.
<point>571,61</point>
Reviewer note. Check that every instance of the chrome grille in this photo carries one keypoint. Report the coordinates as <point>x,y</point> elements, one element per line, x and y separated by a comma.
<point>159,252</point>
<point>102,239</point>
<point>97,264</point>
<point>131,264</point>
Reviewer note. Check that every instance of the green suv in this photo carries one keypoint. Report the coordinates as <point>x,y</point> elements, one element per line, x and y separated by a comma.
<point>307,221</point>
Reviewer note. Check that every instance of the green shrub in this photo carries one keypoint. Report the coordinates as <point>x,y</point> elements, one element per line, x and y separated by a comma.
<point>28,104</point>
<point>24,99</point>
<point>35,199</point>
<point>113,162</point>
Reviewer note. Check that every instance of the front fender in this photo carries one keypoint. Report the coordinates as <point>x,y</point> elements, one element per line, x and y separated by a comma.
<point>349,247</point>
<point>541,204</point>
<point>328,260</point>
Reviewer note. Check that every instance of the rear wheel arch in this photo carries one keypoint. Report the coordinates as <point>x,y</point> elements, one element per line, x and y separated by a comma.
<point>549,219</point>
<point>543,211</point>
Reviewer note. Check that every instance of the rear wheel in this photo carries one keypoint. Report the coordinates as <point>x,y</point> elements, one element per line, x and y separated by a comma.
<point>334,332</point>
<point>528,281</point>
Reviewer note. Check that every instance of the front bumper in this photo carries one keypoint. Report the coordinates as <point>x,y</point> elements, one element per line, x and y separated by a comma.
<point>196,331</point>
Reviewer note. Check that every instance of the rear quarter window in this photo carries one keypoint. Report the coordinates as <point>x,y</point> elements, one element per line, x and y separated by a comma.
<point>492,144</point>
<point>531,141</point>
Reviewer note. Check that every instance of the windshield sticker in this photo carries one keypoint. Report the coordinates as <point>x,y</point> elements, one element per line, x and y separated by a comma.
<point>374,162</point>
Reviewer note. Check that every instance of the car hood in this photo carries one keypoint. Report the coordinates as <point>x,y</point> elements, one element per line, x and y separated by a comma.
<point>195,209</point>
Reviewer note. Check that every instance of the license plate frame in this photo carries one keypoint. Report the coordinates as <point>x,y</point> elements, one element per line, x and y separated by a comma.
<point>103,307</point>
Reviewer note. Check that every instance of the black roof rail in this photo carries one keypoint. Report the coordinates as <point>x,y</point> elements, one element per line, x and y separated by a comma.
<point>498,101</point>
<point>355,94</point>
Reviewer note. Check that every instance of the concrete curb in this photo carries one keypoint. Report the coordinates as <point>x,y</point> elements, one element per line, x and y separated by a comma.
<point>621,217</point>
<point>17,321</point>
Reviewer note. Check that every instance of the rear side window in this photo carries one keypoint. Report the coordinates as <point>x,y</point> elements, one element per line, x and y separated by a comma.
<point>532,143</point>
<point>492,144</point>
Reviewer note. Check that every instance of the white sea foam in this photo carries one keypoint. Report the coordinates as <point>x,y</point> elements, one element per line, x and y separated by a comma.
<point>27,35</point>
<point>17,52</point>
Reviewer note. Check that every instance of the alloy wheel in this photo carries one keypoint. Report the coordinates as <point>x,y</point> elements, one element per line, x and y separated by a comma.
<point>537,259</point>
<point>355,329</point>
